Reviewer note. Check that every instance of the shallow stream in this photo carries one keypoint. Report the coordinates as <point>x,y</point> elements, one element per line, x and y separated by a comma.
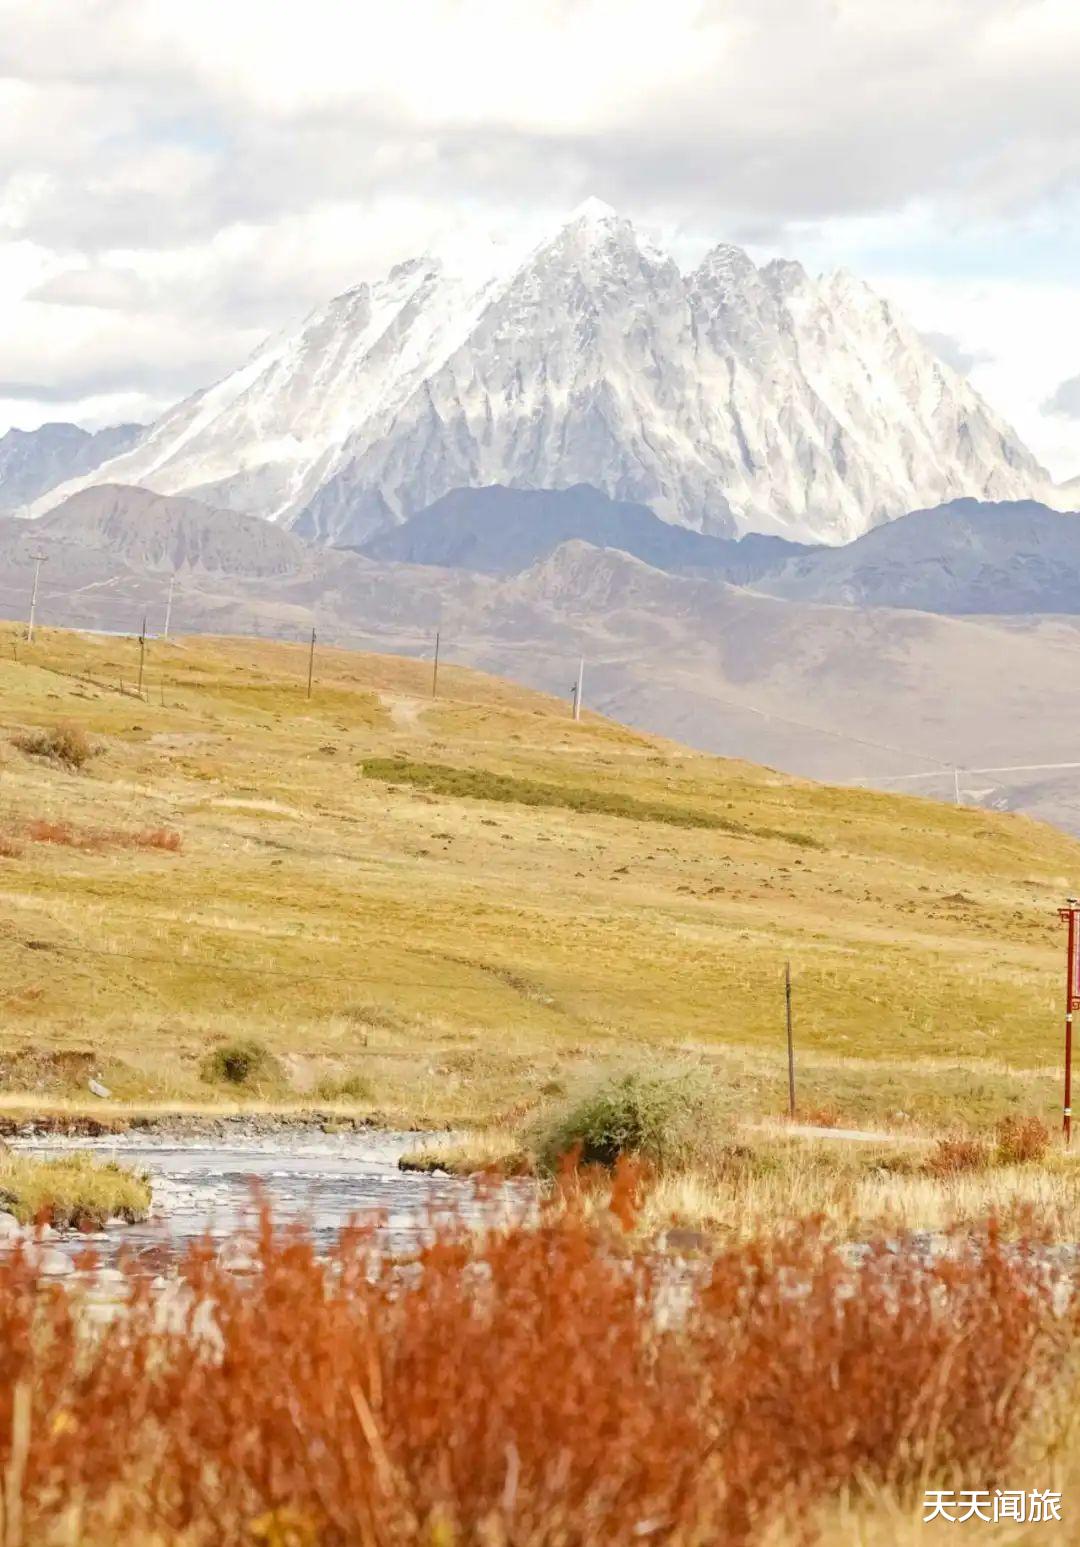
<point>208,1187</point>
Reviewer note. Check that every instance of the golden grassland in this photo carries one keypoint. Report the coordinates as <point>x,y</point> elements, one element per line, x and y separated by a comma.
<point>406,947</point>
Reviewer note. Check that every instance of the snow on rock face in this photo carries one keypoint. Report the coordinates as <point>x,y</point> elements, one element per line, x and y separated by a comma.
<point>731,399</point>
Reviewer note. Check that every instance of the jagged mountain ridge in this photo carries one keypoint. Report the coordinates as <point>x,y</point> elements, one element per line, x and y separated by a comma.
<point>731,399</point>
<point>34,461</point>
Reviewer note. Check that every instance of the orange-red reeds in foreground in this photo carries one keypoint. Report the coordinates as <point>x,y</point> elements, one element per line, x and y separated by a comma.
<point>536,1386</point>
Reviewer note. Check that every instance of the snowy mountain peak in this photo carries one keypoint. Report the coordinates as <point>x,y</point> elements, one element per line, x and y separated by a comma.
<point>731,399</point>
<point>592,210</point>
<point>785,276</point>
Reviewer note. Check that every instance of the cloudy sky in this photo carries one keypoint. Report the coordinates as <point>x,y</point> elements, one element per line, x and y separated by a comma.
<point>179,177</point>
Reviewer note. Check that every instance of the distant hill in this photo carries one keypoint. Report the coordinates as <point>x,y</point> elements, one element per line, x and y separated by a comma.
<point>964,557</point>
<point>34,461</point>
<point>839,692</point>
<point>501,531</point>
<point>170,532</point>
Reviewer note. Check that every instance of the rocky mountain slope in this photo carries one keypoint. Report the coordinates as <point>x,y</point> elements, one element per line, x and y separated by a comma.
<point>501,531</point>
<point>169,532</point>
<point>34,461</point>
<point>730,399</point>
<point>964,557</point>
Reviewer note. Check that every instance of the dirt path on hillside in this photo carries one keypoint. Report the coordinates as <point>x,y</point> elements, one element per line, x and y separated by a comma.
<point>848,1135</point>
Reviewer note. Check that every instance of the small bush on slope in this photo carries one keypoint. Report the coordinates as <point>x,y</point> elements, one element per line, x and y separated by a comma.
<point>244,1063</point>
<point>66,744</point>
<point>668,1120</point>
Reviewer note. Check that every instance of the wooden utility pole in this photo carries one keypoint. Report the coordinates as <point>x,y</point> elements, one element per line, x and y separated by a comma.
<point>39,559</point>
<point>142,655</point>
<point>1070,915</point>
<point>790,1043</point>
<point>435,667</point>
<point>578,687</point>
<point>311,664</point>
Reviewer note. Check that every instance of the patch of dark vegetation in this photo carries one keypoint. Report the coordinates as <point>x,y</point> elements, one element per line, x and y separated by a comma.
<point>245,1063</point>
<point>958,1154</point>
<point>95,841</point>
<point>1018,1141</point>
<point>479,784</point>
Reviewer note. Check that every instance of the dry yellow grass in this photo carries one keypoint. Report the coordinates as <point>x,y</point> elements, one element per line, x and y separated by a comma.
<point>74,1189</point>
<point>860,1189</point>
<point>464,956</point>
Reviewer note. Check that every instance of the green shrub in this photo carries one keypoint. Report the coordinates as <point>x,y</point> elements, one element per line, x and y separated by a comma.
<point>670,1120</point>
<point>65,744</point>
<point>246,1063</point>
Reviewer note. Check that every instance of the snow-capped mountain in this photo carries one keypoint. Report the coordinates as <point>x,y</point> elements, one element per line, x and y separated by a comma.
<point>34,461</point>
<point>731,399</point>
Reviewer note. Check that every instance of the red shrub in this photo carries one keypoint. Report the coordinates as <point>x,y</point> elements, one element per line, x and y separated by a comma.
<point>157,838</point>
<point>820,1117</point>
<point>956,1155</point>
<point>93,841</point>
<point>1022,1139</point>
<point>61,833</point>
<point>541,1386</point>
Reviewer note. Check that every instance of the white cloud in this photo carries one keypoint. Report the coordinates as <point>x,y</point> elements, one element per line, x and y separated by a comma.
<point>190,173</point>
<point>1065,399</point>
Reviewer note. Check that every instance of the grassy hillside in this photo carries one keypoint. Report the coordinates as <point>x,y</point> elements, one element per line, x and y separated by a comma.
<point>440,911</point>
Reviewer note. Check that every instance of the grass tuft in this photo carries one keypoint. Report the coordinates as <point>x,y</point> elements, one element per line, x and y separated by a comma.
<point>956,1154</point>
<point>1021,1140</point>
<point>351,1087</point>
<point>66,744</point>
<point>75,1189</point>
